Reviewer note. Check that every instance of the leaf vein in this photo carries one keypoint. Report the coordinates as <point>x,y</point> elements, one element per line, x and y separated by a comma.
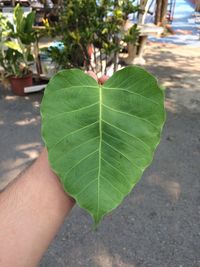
<point>84,174</point>
<point>135,81</point>
<point>75,165</point>
<point>120,140</point>
<point>135,137</point>
<point>70,87</point>
<point>65,136</point>
<point>75,110</point>
<point>69,151</point>
<point>86,187</point>
<point>125,90</point>
<point>122,155</point>
<point>129,114</point>
<point>106,179</point>
<point>114,168</point>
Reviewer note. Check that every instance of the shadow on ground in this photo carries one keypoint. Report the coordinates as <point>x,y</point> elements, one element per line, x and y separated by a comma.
<point>20,133</point>
<point>158,223</point>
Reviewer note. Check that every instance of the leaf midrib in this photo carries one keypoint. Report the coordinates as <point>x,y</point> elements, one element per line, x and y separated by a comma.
<point>100,146</point>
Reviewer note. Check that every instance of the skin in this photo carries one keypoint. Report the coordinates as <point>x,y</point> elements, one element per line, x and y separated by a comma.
<point>32,209</point>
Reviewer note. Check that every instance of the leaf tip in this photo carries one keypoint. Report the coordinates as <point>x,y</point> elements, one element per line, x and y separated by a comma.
<point>97,218</point>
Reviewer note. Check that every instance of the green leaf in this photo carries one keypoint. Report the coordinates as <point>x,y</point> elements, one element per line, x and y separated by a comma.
<point>18,17</point>
<point>29,22</point>
<point>13,45</point>
<point>30,57</point>
<point>99,138</point>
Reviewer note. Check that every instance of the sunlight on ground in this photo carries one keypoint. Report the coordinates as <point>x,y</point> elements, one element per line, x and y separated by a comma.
<point>104,259</point>
<point>27,121</point>
<point>27,146</point>
<point>173,189</point>
<point>10,97</point>
<point>30,150</point>
<point>170,105</point>
<point>178,72</point>
<point>11,172</point>
<point>12,167</point>
<point>32,154</point>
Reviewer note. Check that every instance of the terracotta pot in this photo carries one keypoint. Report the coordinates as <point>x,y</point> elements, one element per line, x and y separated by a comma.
<point>18,84</point>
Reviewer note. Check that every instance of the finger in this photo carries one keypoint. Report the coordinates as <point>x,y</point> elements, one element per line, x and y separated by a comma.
<point>92,74</point>
<point>103,79</point>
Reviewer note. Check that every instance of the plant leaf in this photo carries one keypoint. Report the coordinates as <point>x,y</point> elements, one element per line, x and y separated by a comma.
<point>18,17</point>
<point>101,138</point>
<point>29,22</point>
<point>13,45</point>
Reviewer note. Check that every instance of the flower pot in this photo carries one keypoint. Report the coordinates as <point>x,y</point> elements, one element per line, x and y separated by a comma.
<point>18,84</point>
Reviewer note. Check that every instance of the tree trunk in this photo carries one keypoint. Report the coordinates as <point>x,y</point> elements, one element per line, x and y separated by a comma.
<point>158,12</point>
<point>197,7</point>
<point>161,11</point>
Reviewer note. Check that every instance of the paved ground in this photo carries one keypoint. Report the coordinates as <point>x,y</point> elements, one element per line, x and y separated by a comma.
<point>158,223</point>
<point>185,21</point>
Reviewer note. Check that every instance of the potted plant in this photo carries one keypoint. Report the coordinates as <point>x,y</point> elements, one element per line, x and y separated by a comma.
<point>16,44</point>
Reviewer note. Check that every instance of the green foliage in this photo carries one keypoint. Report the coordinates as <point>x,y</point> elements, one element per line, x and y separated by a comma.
<point>132,35</point>
<point>85,22</point>
<point>100,138</point>
<point>16,41</point>
<point>76,27</point>
<point>128,7</point>
<point>10,61</point>
<point>24,26</point>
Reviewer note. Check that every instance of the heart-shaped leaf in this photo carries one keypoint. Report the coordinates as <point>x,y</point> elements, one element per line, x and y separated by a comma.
<point>100,138</point>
